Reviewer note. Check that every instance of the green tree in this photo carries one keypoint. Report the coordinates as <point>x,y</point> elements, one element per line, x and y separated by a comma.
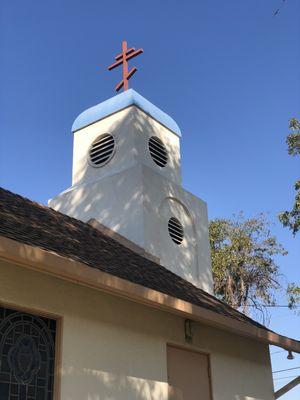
<point>291,219</point>
<point>293,293</point>
<point>243,255</point>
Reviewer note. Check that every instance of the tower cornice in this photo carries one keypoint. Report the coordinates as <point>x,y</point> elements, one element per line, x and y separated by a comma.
<point>118,103</point>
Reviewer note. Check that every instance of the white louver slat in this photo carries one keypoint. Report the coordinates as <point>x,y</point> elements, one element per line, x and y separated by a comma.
<point>102,150</point>
<point>175,230</point>
<point>158,151</point>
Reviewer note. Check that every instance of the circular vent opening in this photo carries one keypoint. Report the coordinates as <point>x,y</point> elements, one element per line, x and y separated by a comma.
<point>175,230</point>
<point>102,150</point>
<point>158,151</point>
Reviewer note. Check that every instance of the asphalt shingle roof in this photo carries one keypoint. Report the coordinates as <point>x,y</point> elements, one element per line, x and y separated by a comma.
<point>31,223</point>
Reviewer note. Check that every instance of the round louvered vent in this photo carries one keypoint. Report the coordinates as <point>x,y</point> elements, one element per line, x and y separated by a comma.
<point>102,150</point>
<point>175,230</point>
<point>158,151</point>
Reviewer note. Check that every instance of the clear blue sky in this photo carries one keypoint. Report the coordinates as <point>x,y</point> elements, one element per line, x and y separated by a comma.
<point>227,71</point>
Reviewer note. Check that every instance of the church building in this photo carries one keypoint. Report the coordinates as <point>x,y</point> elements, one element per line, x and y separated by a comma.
<point>107,293</point>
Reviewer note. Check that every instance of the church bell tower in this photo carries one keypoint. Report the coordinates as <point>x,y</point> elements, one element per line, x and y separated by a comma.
<point>127,176</point>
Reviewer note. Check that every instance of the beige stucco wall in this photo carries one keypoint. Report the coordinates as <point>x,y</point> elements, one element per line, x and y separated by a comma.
<point>132,129</point>
<point>135,197</point>
<point>114,349</point>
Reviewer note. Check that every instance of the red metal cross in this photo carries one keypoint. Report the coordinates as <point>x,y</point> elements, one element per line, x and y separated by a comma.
<point>123,58</point>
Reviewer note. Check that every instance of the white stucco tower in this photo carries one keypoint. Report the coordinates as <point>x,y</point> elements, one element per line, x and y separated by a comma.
<point>127,176</point>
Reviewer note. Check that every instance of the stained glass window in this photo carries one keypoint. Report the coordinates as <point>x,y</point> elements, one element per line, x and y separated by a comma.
<point>27,350</point>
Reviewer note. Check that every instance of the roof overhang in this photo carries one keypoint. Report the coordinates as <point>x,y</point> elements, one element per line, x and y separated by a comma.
<point>119,102</point>
<point>44,261</point>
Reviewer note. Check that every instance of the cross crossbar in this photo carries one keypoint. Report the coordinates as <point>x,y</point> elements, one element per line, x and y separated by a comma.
<point>122,59</point>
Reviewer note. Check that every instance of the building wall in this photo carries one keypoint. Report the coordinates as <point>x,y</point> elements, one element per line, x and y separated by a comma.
<point>136,198</point>
<point>115,349</point>
<point>191,259</point>
<point>138,203</point>
<point>132,129</point>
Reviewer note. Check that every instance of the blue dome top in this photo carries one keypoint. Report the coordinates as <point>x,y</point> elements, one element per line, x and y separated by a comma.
<point>119,102</point>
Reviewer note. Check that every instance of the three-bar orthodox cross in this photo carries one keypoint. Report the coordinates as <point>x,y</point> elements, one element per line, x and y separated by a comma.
<point>123,58</point>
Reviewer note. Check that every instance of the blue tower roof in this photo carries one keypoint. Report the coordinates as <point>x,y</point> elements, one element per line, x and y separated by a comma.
<point>119,102</point>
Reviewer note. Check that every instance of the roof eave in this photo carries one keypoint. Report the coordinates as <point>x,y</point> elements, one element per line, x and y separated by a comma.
<point>120,102</point>
<point>51,263</point>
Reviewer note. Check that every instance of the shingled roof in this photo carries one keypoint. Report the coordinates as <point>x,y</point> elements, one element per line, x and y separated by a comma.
<point>31,223</point>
